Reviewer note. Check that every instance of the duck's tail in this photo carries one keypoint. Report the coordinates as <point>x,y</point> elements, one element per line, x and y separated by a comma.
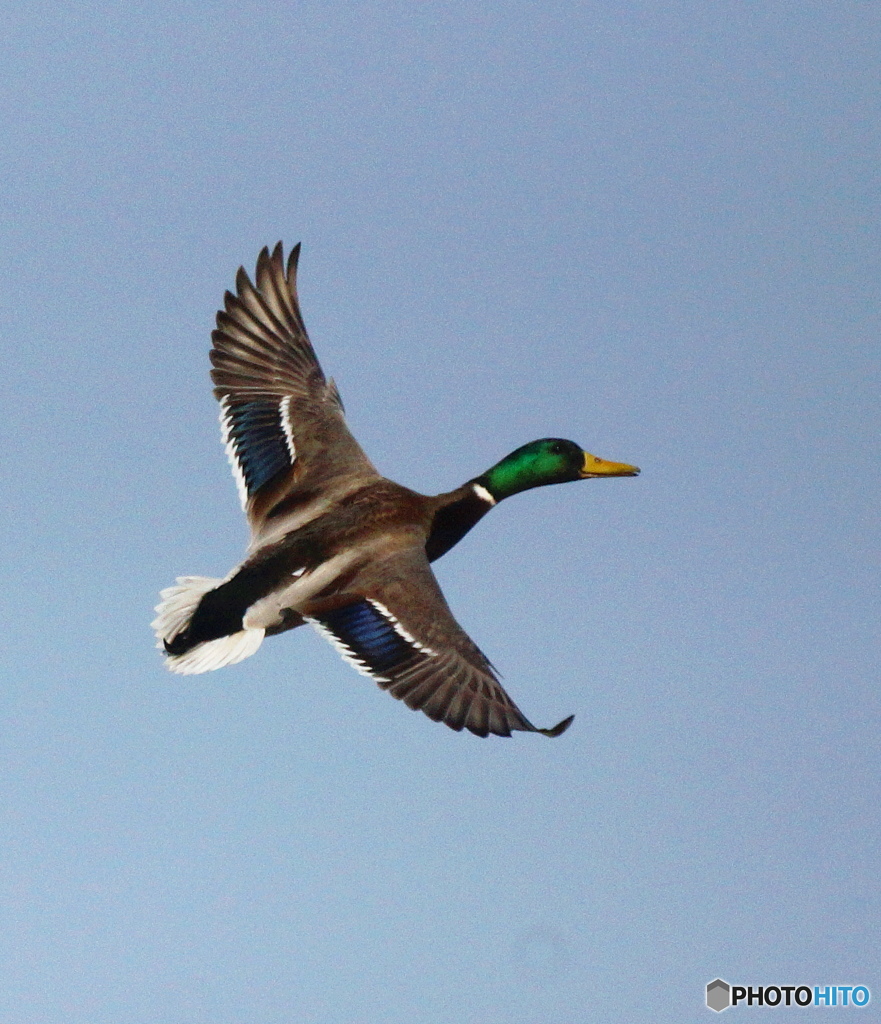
<point>174,615</point>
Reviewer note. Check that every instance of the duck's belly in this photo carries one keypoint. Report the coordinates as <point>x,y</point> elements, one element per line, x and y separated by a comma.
<point>267,612</point>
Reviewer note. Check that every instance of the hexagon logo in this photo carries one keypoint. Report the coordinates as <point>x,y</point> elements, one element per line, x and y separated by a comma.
<point>718,995</point>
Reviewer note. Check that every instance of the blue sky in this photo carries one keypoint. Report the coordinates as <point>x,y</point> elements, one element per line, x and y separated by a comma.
<point>653,228</point>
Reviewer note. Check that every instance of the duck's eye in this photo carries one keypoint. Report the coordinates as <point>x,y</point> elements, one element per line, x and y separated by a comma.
<point>556,449</point>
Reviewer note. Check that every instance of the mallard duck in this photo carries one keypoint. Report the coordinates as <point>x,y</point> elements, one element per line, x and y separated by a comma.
<point>334,543</point>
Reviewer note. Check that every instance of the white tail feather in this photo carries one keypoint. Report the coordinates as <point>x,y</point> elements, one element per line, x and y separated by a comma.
<point>212,654</point>
<point>174,613</point>
<point>178,604</point>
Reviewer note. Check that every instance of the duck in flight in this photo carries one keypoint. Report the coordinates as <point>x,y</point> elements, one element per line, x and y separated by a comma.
<point>334,543</point>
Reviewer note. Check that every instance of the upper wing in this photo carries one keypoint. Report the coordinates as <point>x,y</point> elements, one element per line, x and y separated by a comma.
<point>398,629</point>
<point>282,420</point>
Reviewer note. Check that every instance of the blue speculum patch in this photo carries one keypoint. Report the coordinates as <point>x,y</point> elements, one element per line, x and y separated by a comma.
<point>259,440</point>
<point>369,636</point>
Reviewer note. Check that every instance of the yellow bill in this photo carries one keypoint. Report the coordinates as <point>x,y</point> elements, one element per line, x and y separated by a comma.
<point>595,466</point>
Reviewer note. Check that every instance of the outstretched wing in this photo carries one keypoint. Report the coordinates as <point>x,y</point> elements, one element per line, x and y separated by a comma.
<point>282,420</point>
<point>398,629</point>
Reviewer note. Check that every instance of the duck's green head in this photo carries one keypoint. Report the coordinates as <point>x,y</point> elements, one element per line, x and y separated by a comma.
<point>548,461</point>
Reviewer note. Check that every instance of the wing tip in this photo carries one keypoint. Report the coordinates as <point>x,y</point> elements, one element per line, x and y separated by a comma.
<point>494,728</point>
<point>262,265</point>
<point>559,728</point>
<point>293,261</point>
<point>243,282</point>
